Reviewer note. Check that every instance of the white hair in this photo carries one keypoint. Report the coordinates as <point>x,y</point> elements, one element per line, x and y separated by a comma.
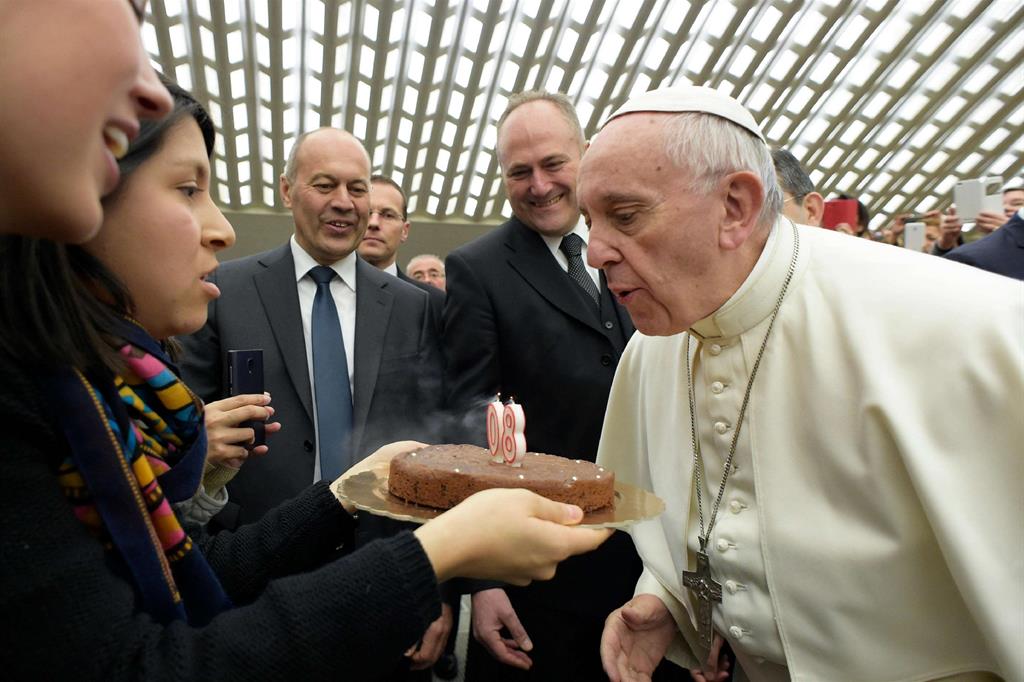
<point>710,147</point>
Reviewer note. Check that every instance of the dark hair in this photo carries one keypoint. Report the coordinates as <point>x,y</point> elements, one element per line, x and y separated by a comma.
<point>388,180</point>
<point>863,217</point>
<point>59,302</point>
<point>792,177</point>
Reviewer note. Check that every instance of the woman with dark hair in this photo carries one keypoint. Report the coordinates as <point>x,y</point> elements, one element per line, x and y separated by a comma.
<point>100,439</point>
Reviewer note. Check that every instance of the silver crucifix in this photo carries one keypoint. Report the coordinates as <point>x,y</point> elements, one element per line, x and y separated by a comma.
<point>707,592</point>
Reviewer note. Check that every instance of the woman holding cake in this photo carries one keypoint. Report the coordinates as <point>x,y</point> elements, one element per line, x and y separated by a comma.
<point>101,438</point>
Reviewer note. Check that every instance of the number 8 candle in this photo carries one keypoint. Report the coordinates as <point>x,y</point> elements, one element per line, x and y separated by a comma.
<point>513,440</point>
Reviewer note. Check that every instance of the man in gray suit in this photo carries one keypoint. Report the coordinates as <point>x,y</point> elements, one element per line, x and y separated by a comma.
<point>387,329</point>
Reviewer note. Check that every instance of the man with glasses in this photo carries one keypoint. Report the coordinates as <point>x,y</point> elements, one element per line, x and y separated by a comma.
<point>386,230</point>
<point>429,269</point>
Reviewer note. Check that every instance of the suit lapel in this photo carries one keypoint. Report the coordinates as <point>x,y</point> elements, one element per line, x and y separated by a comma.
<point>531,258</point>
<point>373,310</point>
<point>280,298</point>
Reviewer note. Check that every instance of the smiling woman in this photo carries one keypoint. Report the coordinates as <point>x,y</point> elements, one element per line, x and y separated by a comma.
<point>67,112</point>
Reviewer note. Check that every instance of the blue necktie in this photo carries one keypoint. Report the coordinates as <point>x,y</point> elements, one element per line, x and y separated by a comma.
<point>330,379</point>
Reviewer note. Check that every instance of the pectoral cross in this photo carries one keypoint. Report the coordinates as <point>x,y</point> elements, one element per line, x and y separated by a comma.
<point>708,592</point>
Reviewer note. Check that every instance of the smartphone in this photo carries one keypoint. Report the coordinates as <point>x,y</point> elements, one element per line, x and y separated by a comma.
<point>839,211</point>
<point>913,236</point>
<point>245,375</point>
<point>974,196</point>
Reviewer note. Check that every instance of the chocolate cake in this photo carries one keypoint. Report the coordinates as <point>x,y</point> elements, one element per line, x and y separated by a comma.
<point>441,476</point>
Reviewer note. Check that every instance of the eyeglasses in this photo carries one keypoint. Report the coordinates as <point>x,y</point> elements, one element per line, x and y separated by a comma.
<point>386,214</point>
<point>797,199</point>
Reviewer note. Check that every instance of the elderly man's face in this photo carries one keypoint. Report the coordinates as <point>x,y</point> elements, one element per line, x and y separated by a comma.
<point>429,270</point>
<point>655,240</point>
<point>330,197</point>
<point>539,155</point>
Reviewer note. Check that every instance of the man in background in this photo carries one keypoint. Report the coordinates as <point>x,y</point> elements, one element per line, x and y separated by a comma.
<point>800,203</point>
<point>427,268</point>
<point>387,229</point>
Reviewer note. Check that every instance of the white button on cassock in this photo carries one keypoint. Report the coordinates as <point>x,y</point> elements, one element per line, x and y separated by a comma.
<point>732,586</point>
<point>717,387</point>
<point>735,506</point>
<point>721,427</point>
<point>715,349</point>
<point>722,545</point>
<point>736,631</point>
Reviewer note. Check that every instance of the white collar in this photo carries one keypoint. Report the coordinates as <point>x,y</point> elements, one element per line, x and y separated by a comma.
<point>757,296</point>
<point>581,229</point>
<point>346,267</point>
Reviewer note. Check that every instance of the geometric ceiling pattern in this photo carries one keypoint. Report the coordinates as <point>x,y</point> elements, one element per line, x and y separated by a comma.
<point>891,100</point>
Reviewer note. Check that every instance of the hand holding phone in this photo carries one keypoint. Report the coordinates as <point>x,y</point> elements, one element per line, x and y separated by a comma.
<point>913,236</point>
<point>245,377</point>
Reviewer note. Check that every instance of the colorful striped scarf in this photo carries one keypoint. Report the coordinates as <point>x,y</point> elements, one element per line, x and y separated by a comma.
<point>137,446</point>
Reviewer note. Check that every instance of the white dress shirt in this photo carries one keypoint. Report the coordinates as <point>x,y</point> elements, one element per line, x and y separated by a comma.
<point>343,289</point>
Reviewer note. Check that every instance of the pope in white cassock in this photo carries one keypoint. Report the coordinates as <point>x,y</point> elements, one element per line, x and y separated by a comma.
<point>834,424</point>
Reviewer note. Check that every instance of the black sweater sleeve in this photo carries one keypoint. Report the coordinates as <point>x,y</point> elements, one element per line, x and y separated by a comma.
<point>299,535</point>
<point>67,612</point>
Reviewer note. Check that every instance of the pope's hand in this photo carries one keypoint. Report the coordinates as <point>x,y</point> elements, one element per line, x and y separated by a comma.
<point>491,612</point>
<point>511,535</point>
<point>716,668</point>
<point>635,639</point>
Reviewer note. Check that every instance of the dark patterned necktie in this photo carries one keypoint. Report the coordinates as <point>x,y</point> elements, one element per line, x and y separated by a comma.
<point>572,247</point>
<point>330,381</point>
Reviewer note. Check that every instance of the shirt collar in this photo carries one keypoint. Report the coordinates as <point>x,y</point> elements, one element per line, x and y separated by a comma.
<point>346,267</point>
<point>555,242</point>
<point>392,269</point>
<point>757,296</point>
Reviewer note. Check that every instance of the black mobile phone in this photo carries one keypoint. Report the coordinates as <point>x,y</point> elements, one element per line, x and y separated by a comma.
<point>245,375</point>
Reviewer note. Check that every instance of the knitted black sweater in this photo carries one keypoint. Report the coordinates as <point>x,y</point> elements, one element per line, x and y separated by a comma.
<point>66,612</point>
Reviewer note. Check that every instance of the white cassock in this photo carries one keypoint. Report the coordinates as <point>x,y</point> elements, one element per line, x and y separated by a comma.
<point>874,526</point>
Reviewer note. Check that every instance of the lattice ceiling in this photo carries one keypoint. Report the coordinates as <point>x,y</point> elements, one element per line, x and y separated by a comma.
<point>889,99</point>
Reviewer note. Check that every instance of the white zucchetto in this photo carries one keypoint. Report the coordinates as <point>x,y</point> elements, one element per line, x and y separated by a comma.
<point>697,98</point>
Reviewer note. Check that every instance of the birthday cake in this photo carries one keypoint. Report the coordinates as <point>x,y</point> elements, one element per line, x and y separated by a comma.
<point>441,476</point>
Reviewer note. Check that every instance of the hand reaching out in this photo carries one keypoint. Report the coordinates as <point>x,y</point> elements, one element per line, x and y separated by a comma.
<point>635,639</point>
<point>491,612</point>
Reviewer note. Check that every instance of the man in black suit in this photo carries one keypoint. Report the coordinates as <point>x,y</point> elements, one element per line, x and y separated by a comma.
<point>1001,251</point>
<point>526,317</point>
<point>387,230</point>
<point>387,328</point>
